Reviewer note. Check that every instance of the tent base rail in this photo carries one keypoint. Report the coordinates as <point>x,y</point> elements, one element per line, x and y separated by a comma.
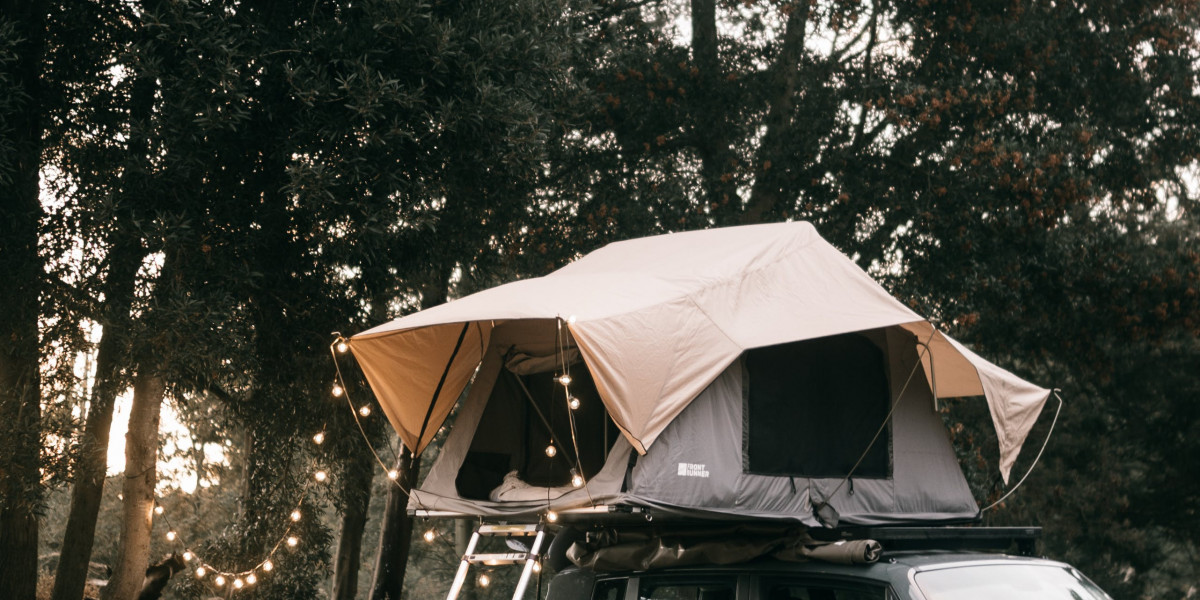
<point>627,515</point>
<point>602,514</point>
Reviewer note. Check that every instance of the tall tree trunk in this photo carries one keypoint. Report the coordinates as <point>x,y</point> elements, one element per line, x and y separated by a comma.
<point>770,181</point>
<point>124,260</point>
<point>80,532</point>
<point>395,536</point>
<point>141,459</point>
<point>357,493</point>
<point>711,133</point>
<point>20,384</point>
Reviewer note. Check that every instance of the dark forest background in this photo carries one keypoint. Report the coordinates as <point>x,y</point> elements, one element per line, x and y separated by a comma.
<point>195,193</point>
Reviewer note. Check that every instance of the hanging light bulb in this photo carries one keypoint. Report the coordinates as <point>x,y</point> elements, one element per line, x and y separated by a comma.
<point>170,536</point>
<point>158,510</point>
<point>319,438</point>
<point>292,541</point>
<point>338,391</point>
<point>484,580</point>
<point>551,450</point>
<point>342,346</point>
<point>393,474</point>
<point>268,565</point>
<point>296,515</point>
<point>219,580</point>
<point>365,410</point>
<point>238,583</point>
<point>551,516</point>
<point>429,535</point>
<point>573,402</point>
<point>201,571</point>
<point>251,579</point>
<point>537,567</point>
<point>564,379</point>
<point>576,479</point>
<point>187,555</point>
<point>320,476</point>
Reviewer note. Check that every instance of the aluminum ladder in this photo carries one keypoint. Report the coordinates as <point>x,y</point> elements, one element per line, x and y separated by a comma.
<point>505,558</point>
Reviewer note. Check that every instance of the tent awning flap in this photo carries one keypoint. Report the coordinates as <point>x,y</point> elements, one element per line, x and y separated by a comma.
<point>404,371</point>
<point>954,371</point>
<point>649,365</point>
<point>658,319</point>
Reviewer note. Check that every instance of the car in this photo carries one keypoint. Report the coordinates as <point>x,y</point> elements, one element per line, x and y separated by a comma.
<point>911,567</point>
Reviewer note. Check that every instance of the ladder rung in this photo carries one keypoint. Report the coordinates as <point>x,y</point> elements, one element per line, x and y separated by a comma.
<point>505,558</point>
<point>508,530</point>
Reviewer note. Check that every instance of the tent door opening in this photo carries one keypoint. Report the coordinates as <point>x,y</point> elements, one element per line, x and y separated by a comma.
<point>530,436</point>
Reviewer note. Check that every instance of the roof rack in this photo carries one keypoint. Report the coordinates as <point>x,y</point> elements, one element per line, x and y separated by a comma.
<point>896,538</point>
<point>942,538</point>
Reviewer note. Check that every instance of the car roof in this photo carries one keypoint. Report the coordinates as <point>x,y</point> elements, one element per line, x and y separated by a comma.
<point>885,570</point>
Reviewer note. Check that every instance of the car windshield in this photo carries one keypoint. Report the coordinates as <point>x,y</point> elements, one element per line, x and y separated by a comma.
<point>1001,582</point>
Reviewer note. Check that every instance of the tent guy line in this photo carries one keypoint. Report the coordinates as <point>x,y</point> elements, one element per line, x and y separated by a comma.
<point>1045,443</point>
<point>899,397</point>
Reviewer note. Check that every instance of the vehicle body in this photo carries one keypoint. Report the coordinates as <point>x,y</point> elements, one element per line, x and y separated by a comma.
<point>917,563</point>
<point>904,575</point>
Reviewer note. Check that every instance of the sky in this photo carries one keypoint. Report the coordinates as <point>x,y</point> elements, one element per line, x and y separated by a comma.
<point>173,472</point>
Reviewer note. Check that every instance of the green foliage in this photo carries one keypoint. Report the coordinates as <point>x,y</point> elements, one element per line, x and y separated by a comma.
<point>1024,172</point>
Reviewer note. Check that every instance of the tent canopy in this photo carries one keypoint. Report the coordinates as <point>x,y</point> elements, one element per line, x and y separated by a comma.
<point>658,319</point>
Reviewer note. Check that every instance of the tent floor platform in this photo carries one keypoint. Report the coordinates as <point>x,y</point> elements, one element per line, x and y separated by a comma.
<point>592,515</point>
<point>962,535</point>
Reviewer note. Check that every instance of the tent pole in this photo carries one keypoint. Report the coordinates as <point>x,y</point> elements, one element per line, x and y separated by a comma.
<point>540,414</point>
<point>438,390</point>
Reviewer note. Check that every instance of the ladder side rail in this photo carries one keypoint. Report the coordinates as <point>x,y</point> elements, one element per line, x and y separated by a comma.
<point>527,572</point>
<point>461,577</point>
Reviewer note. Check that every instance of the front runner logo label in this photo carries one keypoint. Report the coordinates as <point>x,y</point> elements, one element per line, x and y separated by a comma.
<point>692,470</point>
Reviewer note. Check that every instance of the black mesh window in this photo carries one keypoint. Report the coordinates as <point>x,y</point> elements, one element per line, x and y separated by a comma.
<point>813,406</point>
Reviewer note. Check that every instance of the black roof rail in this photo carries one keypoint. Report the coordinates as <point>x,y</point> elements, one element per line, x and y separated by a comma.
<point>941,538</point>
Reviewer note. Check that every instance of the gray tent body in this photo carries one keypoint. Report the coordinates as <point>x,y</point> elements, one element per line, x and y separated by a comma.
<point>698,466</point>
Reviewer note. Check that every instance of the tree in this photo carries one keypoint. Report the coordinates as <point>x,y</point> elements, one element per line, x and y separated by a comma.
<point>434,161</point>
<point>123,257</point>
<point>1017,171</point>
<point>22,49</point>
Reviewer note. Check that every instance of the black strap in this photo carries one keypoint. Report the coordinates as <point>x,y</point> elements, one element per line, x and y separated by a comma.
<point>438,391</point>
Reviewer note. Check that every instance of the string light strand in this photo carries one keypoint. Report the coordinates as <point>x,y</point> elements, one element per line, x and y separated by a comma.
<point>215,577</point>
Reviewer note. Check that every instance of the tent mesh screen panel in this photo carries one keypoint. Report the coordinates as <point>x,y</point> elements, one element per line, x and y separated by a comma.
<point>813,406</point>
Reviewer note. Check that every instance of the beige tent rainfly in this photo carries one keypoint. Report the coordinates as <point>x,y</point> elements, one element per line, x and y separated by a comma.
<point>755,340</point>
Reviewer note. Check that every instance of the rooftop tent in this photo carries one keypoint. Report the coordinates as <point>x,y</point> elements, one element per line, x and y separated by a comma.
<point>724,359</point>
